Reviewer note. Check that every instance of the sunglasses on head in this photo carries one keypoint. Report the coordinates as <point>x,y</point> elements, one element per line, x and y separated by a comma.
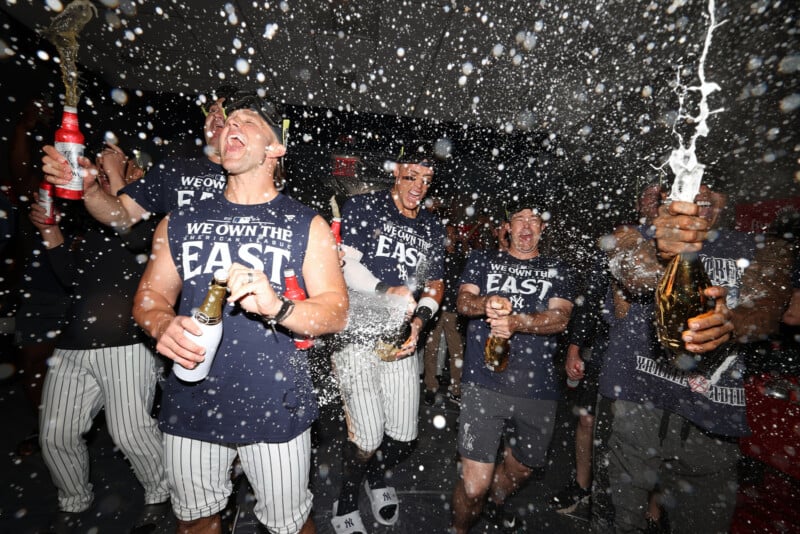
<point>425,181</point>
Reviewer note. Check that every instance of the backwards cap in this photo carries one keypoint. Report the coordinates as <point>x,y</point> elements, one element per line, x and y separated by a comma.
<point>533,201</point>
<point>419,153</point>
<point>265,108</point>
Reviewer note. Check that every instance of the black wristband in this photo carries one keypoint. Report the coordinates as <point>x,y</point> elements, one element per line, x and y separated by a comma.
<point>424,313</point>
<point>381,287</point>
<point>287,307</point>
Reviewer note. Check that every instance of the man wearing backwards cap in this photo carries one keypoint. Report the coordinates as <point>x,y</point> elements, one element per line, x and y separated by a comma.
<point>258,401</point>
<point>402,244</point>
<point>168,185</point>
<point>526,298</point>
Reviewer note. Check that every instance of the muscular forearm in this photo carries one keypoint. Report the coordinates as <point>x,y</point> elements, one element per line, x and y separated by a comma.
<point>471,305</point>
<point>51,236</point>
<point>766,288</point>
<point>152,313</point>
<point>633,262</point>
<point>542,323</point>
<point>326,313</point>
<point>106,208</point>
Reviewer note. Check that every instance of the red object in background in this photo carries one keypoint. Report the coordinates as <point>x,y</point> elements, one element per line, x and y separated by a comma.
<point>295,292</point>
<point>774,422</point>
<point>769,503</point>
<point>345,165</point>
<point>757,217</point>
<point>69,142</point>
<point>767,506</point>
<point>336,228</point>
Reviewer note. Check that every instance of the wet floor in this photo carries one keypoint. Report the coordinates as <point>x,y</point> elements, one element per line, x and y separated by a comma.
<point>424,483</point>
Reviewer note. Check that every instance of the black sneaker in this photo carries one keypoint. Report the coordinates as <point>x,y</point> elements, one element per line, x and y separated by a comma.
<point>565,501</point>
<point>505,520</point>
<point>430,397</point>
<point>581,510</point>
<point>155,518</point>
<point>64,523</point>
<point>455,399</point>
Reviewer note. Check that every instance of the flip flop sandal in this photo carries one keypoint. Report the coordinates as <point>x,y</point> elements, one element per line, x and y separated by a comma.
<point>381,498</point>
<point>347,524</point>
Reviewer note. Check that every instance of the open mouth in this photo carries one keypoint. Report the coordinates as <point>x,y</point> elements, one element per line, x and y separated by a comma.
<point>233,143</point>
<point>704,203</point>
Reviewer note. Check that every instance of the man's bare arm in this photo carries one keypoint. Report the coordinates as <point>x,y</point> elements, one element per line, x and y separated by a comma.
<point>766,289</point>
<point>553,320</point>
<point>119,212</point>
<point>633,262</point>
<point>154,305</point>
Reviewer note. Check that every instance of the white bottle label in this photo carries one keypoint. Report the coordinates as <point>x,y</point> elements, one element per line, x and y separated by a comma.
<point>209,339</point>
<point>72,151</point>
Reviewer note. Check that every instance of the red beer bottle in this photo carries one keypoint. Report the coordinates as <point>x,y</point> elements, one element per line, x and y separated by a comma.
<point>46,201</point>
<point>295,292</point>
<point>69,142</point>
<point>336,228</point>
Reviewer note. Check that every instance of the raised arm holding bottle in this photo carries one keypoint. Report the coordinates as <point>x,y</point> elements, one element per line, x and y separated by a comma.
<point>696,407</point>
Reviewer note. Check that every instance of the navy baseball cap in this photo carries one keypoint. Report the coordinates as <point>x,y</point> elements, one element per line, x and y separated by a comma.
<point>264,107</point>
<point>418,153</point>
<point>535,202</point>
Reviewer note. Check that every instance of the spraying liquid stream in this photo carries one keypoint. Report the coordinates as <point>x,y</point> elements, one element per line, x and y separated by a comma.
<point>63,33</point>
<point>683,160</point>
<point>680,294</point>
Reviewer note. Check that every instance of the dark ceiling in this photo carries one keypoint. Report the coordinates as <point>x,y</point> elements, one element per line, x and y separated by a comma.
<point>582,69</point>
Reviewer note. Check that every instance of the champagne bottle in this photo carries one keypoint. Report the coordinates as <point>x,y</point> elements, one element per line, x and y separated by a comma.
<point>295,292</point>
<point>496,352</point>
<point>69,142</point>
<point>390,342</point>
<point>209,318</point>
<point>679,297</point>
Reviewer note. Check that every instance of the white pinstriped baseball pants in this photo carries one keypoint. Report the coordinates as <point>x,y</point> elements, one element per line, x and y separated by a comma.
<point>77,385</point>
<point>200,480</point>
<point>379,397</point>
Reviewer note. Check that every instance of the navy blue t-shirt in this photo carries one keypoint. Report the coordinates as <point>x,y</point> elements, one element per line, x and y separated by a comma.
<point>176,182</point>
<point>259,388</point>
<point>397,249</point>
<point>529,284</point>
<point>633,367</point>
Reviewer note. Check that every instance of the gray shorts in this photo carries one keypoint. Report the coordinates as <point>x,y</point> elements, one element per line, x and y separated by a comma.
<point>487,416</point>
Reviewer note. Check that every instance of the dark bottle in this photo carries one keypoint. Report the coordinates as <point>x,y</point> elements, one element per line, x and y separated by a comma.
<point>295,292</point>
<point>390,342</point>
<point>69,142</point>
<point>679,297</point>
<point>496,352</point>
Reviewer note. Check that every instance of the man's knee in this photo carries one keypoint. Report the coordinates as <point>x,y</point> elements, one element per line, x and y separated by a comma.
<point>353,453</point>
<point>203,525</point>
<point>476,487</point>
<point>515,469</point>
